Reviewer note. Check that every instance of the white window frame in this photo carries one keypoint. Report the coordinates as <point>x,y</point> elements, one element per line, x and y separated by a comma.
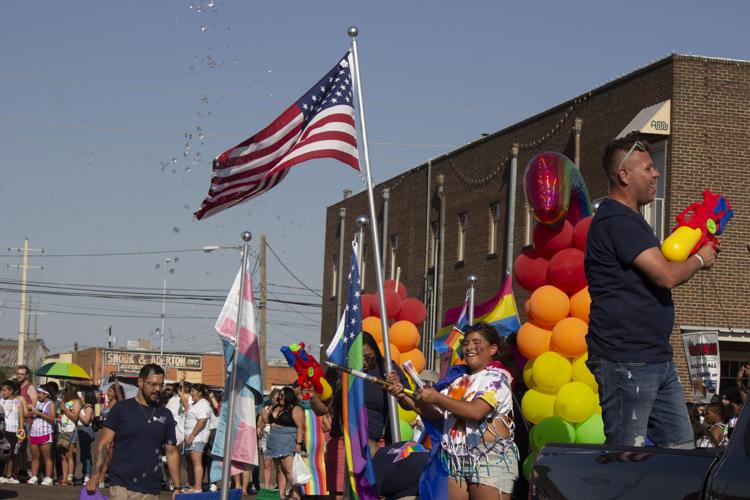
<point>393,251</point>
<point>463,224</point>
<point>654,212</point>
<point>494,226</point>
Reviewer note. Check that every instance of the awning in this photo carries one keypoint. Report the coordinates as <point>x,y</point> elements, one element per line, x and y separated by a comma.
<point>654,119</point>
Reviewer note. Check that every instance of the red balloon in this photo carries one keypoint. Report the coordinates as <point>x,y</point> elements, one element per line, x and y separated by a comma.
<point>548,240</point>
<point>581,232</point>
<point>366,300</point>
<point>413,310</point>
<point>391,285</point>
<point>392,304</point>
<point>530,270</point>
<point>566,270</point>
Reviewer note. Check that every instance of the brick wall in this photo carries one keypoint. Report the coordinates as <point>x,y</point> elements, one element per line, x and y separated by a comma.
<point>719,110</point>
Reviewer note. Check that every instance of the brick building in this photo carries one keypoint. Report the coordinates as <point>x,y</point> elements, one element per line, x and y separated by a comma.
<point>697,111</point>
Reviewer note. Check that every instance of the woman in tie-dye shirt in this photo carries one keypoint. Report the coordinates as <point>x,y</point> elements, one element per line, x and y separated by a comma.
<point>477,421</point>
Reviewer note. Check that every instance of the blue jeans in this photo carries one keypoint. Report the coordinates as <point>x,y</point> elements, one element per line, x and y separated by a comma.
<point>640,400</point>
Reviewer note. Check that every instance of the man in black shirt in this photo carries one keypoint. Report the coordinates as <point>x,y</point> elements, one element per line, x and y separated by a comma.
<point>139,428</point>
<point>632,314</point>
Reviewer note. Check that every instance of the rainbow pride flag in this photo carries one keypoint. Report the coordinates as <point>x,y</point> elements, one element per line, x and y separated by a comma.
<point>314,444</point>
<point>346,350</point>
<point>500,311</point>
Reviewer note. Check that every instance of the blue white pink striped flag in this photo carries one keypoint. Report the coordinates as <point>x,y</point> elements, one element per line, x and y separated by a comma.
<point>245,445</point>
<point>320,124</point>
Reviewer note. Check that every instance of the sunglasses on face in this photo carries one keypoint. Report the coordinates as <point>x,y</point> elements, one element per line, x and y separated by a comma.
<point>636,145</point>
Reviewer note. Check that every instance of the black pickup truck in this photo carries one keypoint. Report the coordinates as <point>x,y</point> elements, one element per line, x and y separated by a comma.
<point>599,472</point>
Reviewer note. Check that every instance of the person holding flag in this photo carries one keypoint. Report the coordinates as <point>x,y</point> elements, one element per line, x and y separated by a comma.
<point>473,405</point>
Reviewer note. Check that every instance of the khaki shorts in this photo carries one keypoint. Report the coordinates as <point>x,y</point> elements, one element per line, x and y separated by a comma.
<point>121,493</point>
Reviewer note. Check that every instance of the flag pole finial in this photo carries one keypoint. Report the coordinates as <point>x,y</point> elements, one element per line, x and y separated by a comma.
<point>247,236</point>
<point>353,31</point>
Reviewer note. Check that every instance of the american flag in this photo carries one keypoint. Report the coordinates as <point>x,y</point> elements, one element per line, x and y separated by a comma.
<point>319,125</point>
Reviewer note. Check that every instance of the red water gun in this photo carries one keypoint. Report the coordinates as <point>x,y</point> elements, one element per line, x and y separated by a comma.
<point>698,225</point>
<point>308,370</point>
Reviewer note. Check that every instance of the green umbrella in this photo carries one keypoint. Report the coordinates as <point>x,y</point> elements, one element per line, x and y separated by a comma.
<point>61,370</point>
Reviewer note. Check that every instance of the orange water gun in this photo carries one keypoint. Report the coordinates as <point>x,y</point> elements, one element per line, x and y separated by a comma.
<point>698,225</point>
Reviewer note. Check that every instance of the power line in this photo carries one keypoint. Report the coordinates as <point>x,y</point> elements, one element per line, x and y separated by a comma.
<point>290,271</point>
<point>118,254</point>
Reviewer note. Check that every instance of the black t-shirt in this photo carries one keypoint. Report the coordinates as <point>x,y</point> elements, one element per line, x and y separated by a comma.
<point>140,432</point>
<point>631,317</point>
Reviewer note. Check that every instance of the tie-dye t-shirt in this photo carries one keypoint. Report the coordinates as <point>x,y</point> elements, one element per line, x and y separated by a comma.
<point>492,385</point>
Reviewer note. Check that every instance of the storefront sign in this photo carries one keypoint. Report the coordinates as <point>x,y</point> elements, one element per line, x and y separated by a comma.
<point>131,362</point>
<point>702,355</point>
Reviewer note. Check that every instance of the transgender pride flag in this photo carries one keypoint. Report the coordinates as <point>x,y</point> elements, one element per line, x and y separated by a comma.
<point>346,350</point>
<point>245,446</point>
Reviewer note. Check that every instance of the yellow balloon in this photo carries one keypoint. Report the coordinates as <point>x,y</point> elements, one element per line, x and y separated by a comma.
<point>575,402</point>
<point>551,371</point>
<point>537,405</point>
<point>406,415</point>
<point>581,372</point>
<point>528,379</point>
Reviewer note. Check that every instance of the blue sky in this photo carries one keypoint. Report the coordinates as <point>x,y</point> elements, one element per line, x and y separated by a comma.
<point>110,113</point>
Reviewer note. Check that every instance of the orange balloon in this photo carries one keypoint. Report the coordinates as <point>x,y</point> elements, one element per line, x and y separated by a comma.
<point>533,340</point>
<point>416,357</point>
<point>548,305</point>
<point>580,304</point>
<point>404,335</point>
<point>374,327</point>
<point>395,353</point>
<point>569,337</point>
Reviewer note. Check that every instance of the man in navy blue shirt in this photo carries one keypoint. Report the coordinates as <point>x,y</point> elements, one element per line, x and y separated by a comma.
<point>632,314</point>
<point>139,428</point>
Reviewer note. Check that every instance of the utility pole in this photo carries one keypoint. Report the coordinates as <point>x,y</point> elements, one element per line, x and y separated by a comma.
<point>22,319</point>
<point>262,301</point>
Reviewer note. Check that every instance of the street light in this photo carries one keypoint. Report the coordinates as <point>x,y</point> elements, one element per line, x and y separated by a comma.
<point>163,307</point>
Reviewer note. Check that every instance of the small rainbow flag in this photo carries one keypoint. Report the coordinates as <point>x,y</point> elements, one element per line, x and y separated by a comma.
<point>407,449</point>
<point>314,441</point>
<point>500,311</point>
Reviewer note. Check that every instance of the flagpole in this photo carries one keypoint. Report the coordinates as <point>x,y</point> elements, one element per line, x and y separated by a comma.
<point>472,278</point>
<point>229,425</point>
<point>392,405</point>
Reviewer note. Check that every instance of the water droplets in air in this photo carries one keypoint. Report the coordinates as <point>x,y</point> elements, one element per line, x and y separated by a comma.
<point>175,229</point>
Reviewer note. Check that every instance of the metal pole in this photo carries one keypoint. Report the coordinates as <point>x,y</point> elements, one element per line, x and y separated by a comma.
<point>510,233</point>
<point>392,405</point>
<point>262,311</point>
<point>340,263</point>
<point>229,429</point>
<point>385,240</point>
<point>163,311</point>
<point>362,221</point>
<point>577,133</point>
<point>472,278</point>
<point>22,321</point>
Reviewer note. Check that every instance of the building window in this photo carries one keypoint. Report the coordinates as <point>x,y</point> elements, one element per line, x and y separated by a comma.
<point>334,275</point>
<point>528,234</point>
<point>434,240</point>
<point>654,212</point>
<point>463,220</point>
<point>494,226</point>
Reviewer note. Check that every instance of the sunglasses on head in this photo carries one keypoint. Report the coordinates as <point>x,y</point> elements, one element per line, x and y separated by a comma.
<point>636,145</point>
